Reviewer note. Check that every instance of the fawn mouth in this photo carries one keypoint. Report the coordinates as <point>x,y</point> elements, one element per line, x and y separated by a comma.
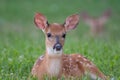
<point>57,47</point>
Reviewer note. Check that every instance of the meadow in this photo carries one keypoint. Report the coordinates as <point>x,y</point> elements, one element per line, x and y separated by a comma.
<point>21,43</point>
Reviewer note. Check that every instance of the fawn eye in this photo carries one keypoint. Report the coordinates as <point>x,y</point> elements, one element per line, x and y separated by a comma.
<point>64,35</point>
<point>48,35</point>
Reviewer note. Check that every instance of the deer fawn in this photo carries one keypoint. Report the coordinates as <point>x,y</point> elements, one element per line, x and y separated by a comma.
<point>96,24</point>
<point>55,63</point>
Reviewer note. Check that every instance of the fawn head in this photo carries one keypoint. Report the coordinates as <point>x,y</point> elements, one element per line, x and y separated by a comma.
<point>55,33</point>
<point>98,21</point>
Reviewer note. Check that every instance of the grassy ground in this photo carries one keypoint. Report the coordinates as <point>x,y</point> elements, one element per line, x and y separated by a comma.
<point>21,43</point>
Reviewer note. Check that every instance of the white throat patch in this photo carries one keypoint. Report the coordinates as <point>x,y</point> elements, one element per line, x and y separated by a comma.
<point>54,67</point>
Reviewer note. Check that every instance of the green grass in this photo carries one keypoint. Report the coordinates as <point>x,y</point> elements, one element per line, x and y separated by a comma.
<point>21,43</point>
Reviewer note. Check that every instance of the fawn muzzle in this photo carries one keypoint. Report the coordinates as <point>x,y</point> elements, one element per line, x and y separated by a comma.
<point>57,45</point>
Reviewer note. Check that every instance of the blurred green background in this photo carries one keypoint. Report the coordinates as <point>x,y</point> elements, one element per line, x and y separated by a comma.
<point>21,43</point>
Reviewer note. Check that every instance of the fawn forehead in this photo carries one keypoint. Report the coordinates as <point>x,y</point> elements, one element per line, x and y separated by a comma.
<point>55,29</point>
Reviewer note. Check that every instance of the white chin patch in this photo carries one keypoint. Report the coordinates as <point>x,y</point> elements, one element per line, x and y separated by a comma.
<point>54,52</point>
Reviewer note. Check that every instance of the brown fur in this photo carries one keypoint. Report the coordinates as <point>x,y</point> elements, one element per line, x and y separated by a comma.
<point>57,64</point>
<point>74,65</point>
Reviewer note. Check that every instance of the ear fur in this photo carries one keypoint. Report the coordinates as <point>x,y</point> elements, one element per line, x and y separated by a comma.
<point>106,14</point>
<point>41,21</point>
<point>71,22</point>
<point>87,18</point>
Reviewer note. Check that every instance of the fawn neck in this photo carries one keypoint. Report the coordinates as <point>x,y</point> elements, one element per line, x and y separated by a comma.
<point>53,64</point>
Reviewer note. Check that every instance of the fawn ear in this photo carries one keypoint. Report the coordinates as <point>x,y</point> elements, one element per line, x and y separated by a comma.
<point>71,22</point>
<point>40,21</point>
<point>87,18</point>
<point>106,14</point>
<point>85,15</point>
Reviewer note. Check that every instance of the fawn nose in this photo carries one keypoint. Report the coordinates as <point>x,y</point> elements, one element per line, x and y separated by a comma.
<point>57,46</point>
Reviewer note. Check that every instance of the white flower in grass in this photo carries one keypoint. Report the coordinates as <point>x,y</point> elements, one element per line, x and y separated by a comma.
<point>11,74</point>
<point>10,59</point>
<point>21,57</point>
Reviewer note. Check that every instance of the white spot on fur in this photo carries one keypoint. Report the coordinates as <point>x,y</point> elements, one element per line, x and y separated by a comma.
<point>70,59</point>
<point>64,69</point>
<point>79,56</point>
<point>85,59</point>
<point>77,60</point>
<point>88,65</point>
<point>65,60</point>
<point>41,57</point>
<point>81,62</point>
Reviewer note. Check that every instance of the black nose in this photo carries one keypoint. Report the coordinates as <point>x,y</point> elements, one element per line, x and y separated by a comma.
<point>58,47</point>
